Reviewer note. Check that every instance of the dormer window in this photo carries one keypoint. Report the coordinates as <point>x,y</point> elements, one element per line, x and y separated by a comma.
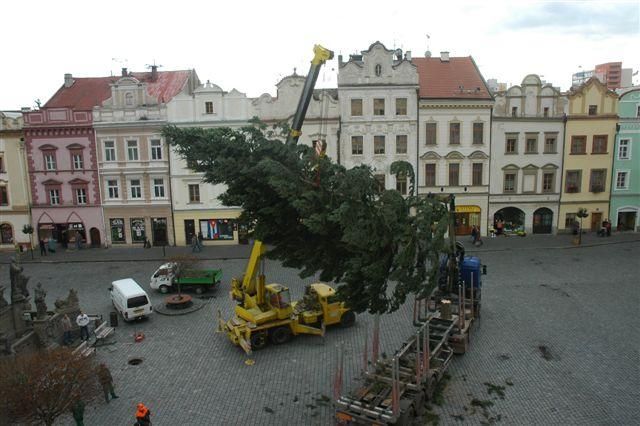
<point>593,109</point>
<point>378,70</point>
<point>128,99</point>
<point>208,107</point>
<point>514,111</point>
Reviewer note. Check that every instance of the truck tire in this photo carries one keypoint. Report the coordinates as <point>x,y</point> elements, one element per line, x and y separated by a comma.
<point>164,289</point>
<point>280,335</point>
<point>258,341</point>
<point>347,319</point>
<point>200,289</point>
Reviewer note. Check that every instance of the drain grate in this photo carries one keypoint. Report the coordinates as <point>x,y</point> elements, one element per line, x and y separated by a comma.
<point>135,361</point>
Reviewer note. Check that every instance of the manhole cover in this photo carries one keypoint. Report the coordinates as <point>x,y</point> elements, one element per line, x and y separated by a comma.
<point>135,361</point>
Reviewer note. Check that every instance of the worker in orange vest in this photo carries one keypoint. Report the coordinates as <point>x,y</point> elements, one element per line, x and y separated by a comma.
<point>143,416</point>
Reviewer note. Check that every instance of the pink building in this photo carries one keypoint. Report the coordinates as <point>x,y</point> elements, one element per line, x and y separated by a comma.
<point>61,158</point>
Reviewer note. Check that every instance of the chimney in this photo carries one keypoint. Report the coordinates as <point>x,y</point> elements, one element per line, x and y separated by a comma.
<point>444,56</point>
<point>124,72</point>
<point>407,55</point>
<point>339,59</point>
<point>68,80</point>
<point>154,72</point>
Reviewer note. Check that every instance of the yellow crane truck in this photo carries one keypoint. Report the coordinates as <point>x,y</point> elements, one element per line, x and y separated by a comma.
<point>265,312</point>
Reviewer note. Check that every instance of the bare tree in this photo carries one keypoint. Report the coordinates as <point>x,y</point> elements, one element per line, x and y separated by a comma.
<point>40,387</point>
<point>184,263</point>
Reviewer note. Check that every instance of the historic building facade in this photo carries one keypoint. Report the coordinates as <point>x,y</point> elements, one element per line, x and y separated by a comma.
<point>14,182</point>
<point>625,184</point>
<point>61,158</point>
<point>196,208</point>
<point>377,91</point>
<point>133,157</point>
<point>527,137</point>
<point>588,153</point>
<point>454,121</point>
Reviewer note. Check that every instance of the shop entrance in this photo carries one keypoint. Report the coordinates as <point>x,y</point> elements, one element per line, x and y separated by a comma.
<point>95,237</point>
<point>596,221</point>
<point>627,221</point>
<point>466,217</point>
<point>159,229</point>
<point>511,220</point>
<point>189,230</point>
<point>542,221</point>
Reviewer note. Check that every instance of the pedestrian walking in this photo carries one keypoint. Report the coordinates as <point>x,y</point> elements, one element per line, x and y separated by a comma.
<point>194,244</point>
<point>83,322</point>
<point>66,330</point>
<point>200,238</point>
<point>78,240</point>
<point>143,415</point>
<point>43,248</point>
<point>474,234</point>
<point>77,410</point>
<point>106,381</point>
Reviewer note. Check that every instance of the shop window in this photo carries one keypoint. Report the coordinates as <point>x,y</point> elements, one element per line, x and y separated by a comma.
<point>378,144</point>
<point>356,107</point>
<point>430,175</point>
<point>4,195</point>
<point>401,144</point>
<point>6,234</point>
<point>356,145</point>
<point>570,219</point>
<point>194,193</point>
<point>401,106</point>
<point>216,229</point>
<point>138,230</point>
<point>117,230</point>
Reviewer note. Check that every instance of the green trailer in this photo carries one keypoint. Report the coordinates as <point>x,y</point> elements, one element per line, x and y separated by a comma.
<point>169,276</point>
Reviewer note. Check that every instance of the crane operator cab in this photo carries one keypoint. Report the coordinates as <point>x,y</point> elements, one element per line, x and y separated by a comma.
<point>279,299</point>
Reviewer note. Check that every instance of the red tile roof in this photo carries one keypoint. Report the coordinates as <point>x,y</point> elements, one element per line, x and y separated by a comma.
<point>458,78</point>
<point>85,93</point>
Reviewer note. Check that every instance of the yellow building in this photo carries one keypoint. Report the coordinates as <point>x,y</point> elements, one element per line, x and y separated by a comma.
<point>588,155</point>
<point>14,184</point>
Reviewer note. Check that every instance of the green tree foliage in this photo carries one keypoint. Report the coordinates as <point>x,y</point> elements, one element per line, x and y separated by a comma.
<point>318,216</point>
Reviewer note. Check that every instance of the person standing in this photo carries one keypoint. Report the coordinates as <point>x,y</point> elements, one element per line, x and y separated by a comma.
<point>194,244</point>
<point>83,322</point>
<point>43,247</point>
<point>106,381</point>
<point>66,330</point>
<point>143,415</point>
<point>77,410</point>
<point>474,234</point>
<point>200,238</point>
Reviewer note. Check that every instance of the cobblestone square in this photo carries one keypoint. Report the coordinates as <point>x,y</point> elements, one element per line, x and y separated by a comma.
<point>559,331</point>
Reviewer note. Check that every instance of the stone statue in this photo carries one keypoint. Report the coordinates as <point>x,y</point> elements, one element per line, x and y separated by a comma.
<point>19,282</point>
<point>69,303</point>
<point>41,306</point>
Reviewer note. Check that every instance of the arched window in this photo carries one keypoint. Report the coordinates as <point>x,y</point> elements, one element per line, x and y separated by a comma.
<point>378,70</point>
<point>6,233</point>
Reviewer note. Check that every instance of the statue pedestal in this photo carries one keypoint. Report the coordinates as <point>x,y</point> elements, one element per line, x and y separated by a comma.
<point>18,309</point>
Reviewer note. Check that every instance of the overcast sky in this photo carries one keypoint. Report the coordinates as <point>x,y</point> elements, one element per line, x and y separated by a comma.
<point>251,45</point>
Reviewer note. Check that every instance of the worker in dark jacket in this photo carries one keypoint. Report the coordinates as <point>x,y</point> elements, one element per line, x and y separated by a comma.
<point>106,381</point>
<point>143,415</point>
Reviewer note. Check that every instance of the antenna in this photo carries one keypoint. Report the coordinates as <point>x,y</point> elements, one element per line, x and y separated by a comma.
<point>151,66</point>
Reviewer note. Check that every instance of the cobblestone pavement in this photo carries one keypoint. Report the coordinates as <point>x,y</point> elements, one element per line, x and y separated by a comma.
<point>560,325</point>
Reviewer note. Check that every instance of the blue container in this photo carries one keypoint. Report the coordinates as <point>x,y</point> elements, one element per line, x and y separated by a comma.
<point>471,265</point>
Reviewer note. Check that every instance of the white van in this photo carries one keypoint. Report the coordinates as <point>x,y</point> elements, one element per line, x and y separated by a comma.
<point>130,299</point>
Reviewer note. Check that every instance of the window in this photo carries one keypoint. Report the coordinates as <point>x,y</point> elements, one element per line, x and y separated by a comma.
<point>194,193</point>
<point>378,70</point>
<point>509,182</point>
<point>599,144</point>
<point>623,149</point>
<point>578,145</point>
<point>158,188</point>
<point>356,145</point>
<point>550,145</point>
<point>593,109</point>
<point>514,111</point>
<point>597,180</point>
<point>54,197</point>
<point>478,133</point>
<point>476,175</point>
<point>401,184</point>
<point>378,106</point>
<point>622,180</point>
<point>531,146</point>
<point>454,174</point>
<point>381,182</point>
<point>6,234</point>
<point>430,175</point>
<point>570,219</point>
<point>546,112</point>
<point>128,99</point>
<point>378,144</point>
<point>81,196</point>
<point>109,151</point>
<point>76,159</point>
<point>113,191</point>
<point>638,111</point>
<point>548,181</point>
<point>50,161</point>
<point>4,196</point>
<point>454,133</point>
<point>135,188</point>
<point>1,164</point>
<point>401,106</point>
<point>208,107</point>
<point>401,144</point>
<point>132,150</point>
<point>431,134</point>
<point>511,145</point>
<point>356,107</point>
<point>573,180</point>
<point>156,149</point>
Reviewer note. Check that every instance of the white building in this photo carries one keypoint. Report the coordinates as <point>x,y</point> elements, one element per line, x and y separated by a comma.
<point>378,107</point>
<point>454,121</point>
<point>526,157</point>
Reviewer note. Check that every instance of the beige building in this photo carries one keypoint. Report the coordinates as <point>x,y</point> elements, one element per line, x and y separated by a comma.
<point>133,158</point>
<point>14,182</point>
<point>588,154</point>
